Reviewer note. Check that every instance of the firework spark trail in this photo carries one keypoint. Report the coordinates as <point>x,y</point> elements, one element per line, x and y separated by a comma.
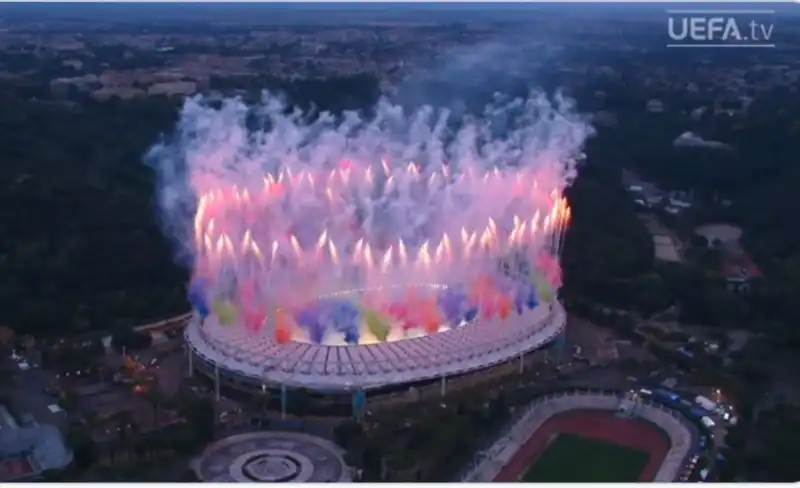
<point>308,205</point>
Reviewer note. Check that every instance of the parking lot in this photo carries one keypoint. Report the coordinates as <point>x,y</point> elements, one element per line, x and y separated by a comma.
<point>32,390</point>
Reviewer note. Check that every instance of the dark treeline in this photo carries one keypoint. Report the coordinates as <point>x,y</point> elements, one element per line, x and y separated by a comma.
<point>80,245</point>
<point>757,177</point>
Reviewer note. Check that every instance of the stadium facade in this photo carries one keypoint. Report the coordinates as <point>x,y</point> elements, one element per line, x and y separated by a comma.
<point>235,357</point>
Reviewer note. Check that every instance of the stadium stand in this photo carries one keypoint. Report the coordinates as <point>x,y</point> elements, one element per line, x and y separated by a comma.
<point>237,355</point>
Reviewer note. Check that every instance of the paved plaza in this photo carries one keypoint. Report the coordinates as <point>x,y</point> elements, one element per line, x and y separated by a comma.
<point>272,457</point>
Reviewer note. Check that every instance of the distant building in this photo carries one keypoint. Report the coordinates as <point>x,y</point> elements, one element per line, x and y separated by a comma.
<point>690,139</point>
<point>655,106</point>
<point>646,195</point>
<point>28,450</point>
<point>6,336</point>
<point>738,267</point>
<point>698,113</point>
<point>732,106</point>
<point>122,92</point>
<point>680,199</point>
<point>606,352</point>
<point>173,88</point>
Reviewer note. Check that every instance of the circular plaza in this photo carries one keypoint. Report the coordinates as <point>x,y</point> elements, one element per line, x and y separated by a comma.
<point>271,457</point>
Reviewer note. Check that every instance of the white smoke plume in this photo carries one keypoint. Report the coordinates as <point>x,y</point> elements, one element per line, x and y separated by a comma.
<point>271,203</point>
<point>214,147</point>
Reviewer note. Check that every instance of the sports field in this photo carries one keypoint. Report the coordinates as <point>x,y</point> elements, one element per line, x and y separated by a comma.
<point>571,458</point>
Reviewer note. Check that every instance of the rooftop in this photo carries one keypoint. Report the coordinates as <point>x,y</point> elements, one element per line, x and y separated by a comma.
<point>740,267</point>
<point>259,359</point>
<point>737,263</point>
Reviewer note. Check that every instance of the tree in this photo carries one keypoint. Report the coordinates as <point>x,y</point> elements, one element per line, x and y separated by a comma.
<point>111,253</point>
<point>348,432</point>
<point>189,476</point>
<point>699,241</point>
<point>51,475</point>
<point>155,398</point>
<point>128,431</point>
<point>651,293</point>
<point>606,245</point>
<point>82,446</point>
<point>199,414</point>
<point>125,338</point>
<point>776,460</point>
<point>629,365</point>
<point>300,401</point>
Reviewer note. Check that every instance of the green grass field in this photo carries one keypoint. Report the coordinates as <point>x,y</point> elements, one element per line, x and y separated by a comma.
<point>575,459</point>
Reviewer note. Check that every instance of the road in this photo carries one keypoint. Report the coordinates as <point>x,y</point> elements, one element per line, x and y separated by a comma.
<point>171,370</point>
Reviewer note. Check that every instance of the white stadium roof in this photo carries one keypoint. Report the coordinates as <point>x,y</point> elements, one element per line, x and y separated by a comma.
<point>259,359</point>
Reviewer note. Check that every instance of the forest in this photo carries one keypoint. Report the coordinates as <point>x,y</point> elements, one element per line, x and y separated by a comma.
<point>757,177</point>
<point>80,246</point>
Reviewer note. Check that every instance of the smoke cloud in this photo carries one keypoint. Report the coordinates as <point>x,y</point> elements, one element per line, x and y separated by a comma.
<point>265,202</point>
<point>216,147</point>
<point>465,77</point>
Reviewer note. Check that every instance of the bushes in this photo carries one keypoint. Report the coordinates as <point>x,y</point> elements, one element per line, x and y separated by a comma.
<point>429,444</point>
<point>130,340</point>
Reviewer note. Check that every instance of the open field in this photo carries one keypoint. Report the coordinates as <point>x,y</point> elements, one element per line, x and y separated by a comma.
<point>571,458</point>
<point>667,245</point>
<point>604,447</point>
<point>719,231</point>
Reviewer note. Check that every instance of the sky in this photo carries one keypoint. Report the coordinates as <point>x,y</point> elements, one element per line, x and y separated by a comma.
<point>303,12</point>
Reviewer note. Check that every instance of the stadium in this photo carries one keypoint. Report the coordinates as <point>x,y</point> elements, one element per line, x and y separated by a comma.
<point>365,257</point>
<point>613,436</point>
<point>235,357</point>
<point>335,320</point>
<point>332,318</point>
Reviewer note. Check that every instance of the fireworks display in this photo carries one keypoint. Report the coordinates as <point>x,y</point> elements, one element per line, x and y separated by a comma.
<point>352,231</point>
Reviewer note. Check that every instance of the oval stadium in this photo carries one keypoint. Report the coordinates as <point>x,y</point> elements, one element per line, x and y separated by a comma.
<point>592,436</point>
<point>237,358</point>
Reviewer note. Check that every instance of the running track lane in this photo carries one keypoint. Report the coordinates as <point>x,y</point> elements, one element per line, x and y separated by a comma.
<point>601,425</point>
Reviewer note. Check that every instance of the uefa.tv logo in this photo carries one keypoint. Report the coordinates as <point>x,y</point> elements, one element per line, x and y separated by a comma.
<point>720,28</point>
